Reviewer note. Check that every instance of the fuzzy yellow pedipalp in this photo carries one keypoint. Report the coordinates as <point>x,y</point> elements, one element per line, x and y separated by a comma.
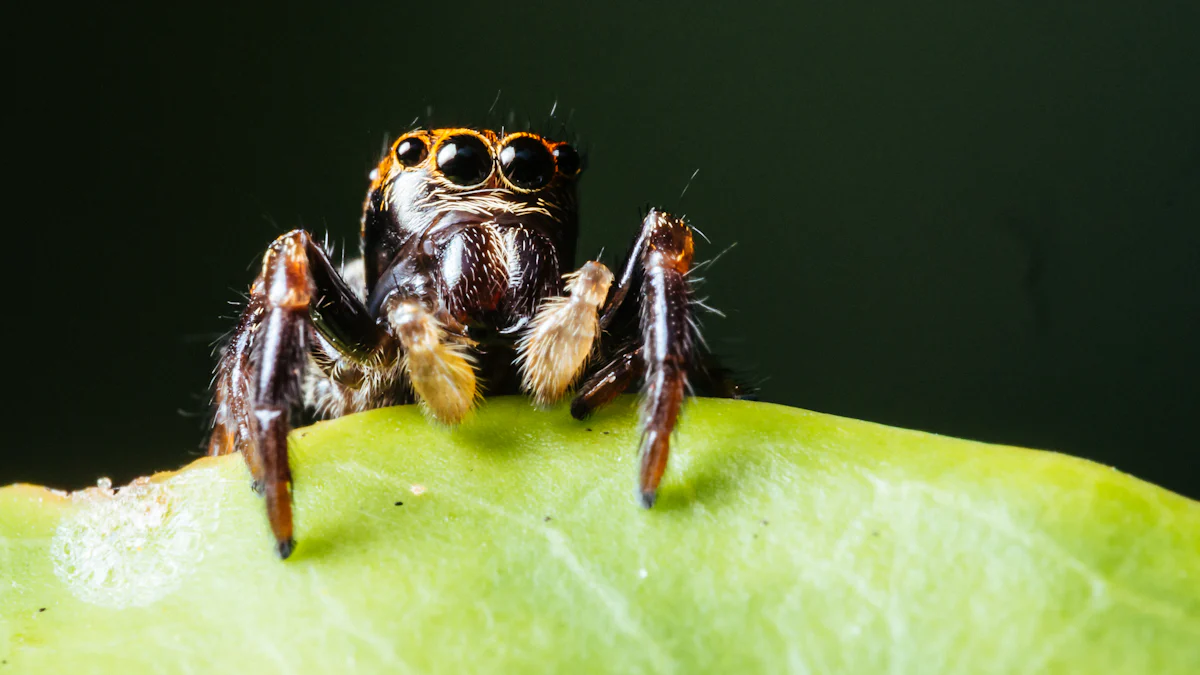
<point>555,348</point>
<point>442,374</point>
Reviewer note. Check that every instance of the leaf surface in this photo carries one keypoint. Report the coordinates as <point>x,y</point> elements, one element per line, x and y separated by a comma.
<point>783,541</point>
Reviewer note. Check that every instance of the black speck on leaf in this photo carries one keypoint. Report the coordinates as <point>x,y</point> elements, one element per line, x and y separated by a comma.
<point>41,609</point>
<point>547,519</point>
<point>588,429</point>
<point>766,522</point>
<point>399,503</point>
<point>604,432</point>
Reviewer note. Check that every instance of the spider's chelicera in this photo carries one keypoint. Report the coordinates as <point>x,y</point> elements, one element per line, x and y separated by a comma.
<point>468,246</point>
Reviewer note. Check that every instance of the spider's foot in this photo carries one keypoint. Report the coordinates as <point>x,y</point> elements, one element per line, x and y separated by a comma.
<point>655,447</point>
<point>600,389</point>
<point>258,488</point>
<point>647,498</point>
<point>285,548</point>
<point>580,409</point>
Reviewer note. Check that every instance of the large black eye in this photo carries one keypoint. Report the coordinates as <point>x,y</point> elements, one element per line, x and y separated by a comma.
<point>568,160</point>
<point>527,163</point>
<point>411,151</point>
<point>464,160</point>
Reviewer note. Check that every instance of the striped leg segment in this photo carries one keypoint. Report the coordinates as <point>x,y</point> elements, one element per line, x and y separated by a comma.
<point>663,352</point>
<point>260,374</point>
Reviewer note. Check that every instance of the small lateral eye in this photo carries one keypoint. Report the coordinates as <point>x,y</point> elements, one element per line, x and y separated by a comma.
<point>526,163</point>
<point>464,160</point>
<point>567,159</point>
<point>411,151</point>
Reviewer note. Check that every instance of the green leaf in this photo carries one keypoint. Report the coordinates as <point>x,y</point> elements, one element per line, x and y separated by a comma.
<point>783,540</point>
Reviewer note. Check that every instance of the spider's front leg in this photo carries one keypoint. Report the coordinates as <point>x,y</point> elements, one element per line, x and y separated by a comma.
<point>259,377</point>
<point>561,337</point>
<point>657,266</point>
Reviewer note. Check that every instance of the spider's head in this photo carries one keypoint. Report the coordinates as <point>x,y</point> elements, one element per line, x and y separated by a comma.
<point>473,174</point>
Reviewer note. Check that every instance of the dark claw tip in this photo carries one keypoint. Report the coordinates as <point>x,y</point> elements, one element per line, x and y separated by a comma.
<point>580,410</point>
<point>647,498</point>
<point>285,548</point>
<point>258,487</point>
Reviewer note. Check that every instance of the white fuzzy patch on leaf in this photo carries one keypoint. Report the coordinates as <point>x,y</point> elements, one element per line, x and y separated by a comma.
<point>134,546</point>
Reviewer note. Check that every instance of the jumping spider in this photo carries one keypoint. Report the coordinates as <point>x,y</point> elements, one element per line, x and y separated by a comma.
<point>466,236</point>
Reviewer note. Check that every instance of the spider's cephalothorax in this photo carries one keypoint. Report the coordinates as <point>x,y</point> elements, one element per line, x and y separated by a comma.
<point>468,247</point>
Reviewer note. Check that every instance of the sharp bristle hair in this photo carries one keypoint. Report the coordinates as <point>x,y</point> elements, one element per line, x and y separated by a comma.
<point>702,303</point>
<point>273,227</point>
<point>385,146</point>
<point>711,261</point>
<point>688,184</point>
<point>219,343</point>
<point>552,126</point>
<point>697,334</point>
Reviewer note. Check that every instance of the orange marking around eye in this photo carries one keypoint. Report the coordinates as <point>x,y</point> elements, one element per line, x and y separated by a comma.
<point>527,134</point>
<point>433,138</point>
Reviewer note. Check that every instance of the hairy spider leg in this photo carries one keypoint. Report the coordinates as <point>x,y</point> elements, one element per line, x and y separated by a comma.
<point>610,381</point>
<point>667,342</point>
<point>657,266</point>
<point>261,372</point>
<point>562,335</point>
<point>437,284</point>
<point>231,392</point>
<point>441,372</point>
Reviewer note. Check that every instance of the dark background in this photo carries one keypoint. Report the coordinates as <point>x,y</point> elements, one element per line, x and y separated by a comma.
<point>980,219</point>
